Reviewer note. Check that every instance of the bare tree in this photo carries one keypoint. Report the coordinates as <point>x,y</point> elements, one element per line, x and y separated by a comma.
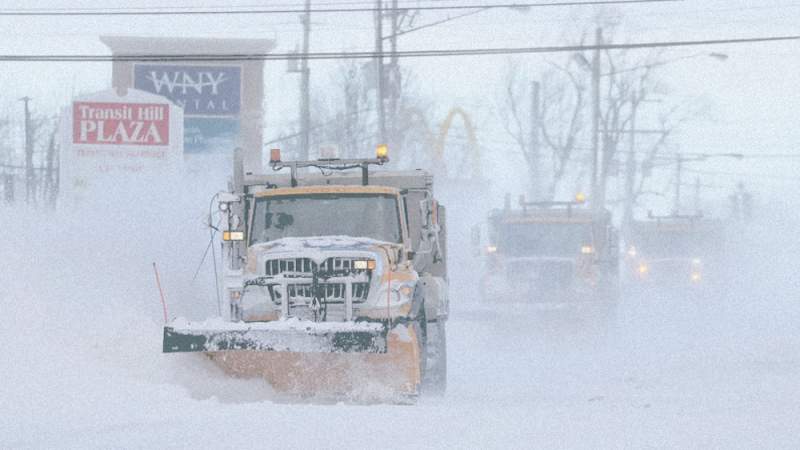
<point>559,120</point>
<point>345,117</point>
<point>557,126</point>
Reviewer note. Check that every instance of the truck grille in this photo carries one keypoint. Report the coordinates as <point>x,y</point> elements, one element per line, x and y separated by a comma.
<point>305,267</point>
<point>331,293</point>
<point>547,275</point>
<point>306,280</point>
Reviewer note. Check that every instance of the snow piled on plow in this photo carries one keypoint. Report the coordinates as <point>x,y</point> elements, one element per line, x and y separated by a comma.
<point>291,324</point>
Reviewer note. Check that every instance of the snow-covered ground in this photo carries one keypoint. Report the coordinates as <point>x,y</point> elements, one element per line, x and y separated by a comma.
<point>81,368</point>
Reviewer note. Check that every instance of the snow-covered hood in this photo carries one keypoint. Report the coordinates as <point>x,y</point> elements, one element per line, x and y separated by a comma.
<point>329,243</point>
<point>318,249</point>
<point>540,259</point>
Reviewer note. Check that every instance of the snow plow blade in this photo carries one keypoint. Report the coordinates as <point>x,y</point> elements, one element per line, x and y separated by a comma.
<point>279,336</point>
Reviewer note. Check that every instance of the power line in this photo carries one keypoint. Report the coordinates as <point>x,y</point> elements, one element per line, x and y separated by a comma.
<point>744,175</point>
<point>772,155</point>
<point>167,11</point>
<point>375,54</point>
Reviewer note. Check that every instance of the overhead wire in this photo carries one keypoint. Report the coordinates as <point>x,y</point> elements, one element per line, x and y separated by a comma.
<point>155,11</point>
<point>374,54</point>
<point>743,175</point>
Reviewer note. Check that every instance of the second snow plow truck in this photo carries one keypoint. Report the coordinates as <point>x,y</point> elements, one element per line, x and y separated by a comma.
<point>551,253</point>
<point>335,283</point>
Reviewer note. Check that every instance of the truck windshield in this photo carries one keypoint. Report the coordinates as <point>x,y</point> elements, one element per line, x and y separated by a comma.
<point>673,243</point>
<point>543,239</point>
<point>355,215</point>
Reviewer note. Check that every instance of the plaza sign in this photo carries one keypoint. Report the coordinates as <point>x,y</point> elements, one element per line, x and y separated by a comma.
<point>120,123</point>
<point>112,139</point>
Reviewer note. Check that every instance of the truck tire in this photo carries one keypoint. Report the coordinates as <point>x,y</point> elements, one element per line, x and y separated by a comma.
<point>435,378</point>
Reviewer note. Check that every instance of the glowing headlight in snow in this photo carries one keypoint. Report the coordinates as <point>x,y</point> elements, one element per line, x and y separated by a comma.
<point>364,264</point>
<point>491,249</point>
<point>587,249</point>
<point>233,235</point>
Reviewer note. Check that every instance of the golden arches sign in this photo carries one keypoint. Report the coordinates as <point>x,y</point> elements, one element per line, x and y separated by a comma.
<point>472,142</point>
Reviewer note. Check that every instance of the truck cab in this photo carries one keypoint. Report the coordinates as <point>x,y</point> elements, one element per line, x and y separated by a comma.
<point>549,252</point>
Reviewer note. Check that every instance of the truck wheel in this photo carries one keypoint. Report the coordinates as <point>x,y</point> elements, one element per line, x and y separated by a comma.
<point>435,378</point>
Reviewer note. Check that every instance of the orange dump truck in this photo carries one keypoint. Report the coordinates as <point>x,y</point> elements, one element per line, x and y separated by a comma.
<point>335,282</point>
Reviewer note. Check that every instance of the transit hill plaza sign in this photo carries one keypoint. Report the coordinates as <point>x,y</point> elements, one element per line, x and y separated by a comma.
<point>127,138</point>
<point>222,101</point>
<point>120,123</point>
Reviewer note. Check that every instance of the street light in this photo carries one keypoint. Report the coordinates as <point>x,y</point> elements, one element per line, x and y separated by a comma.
<point>722,57</point>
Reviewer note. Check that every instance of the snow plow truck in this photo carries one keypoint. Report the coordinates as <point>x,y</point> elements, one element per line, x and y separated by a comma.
<point>335,280</point>
<point>555,253</point>
<point>675,251</point>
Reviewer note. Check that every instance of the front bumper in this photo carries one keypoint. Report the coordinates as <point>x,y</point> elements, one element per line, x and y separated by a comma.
<point>290,335</point>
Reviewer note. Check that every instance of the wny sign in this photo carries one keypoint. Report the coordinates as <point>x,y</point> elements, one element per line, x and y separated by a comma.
<point>120,123</point>
<point>109,138</point>
<point>209,95</point>
<point>199,90</point>
<point>222,101</point>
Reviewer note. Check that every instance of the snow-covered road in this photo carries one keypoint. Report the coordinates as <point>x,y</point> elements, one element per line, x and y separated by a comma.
<point>82,369</point>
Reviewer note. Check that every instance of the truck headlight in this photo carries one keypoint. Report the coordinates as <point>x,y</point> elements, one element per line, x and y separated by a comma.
<point>233,235</point>
<point>364,264</point>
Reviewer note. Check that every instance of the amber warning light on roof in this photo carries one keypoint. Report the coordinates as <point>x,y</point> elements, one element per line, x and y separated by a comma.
<point>275,155</point>
<point>382,152</point>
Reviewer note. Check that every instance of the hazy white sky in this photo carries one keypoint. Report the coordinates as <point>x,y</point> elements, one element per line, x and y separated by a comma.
<point>752,97</point>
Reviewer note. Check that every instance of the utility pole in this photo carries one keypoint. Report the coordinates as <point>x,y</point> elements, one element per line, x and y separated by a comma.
<point>379,78</point>
<point>676,201</point>
<point>534,152</point>
<point>597,197</point>
<point>697,187</point>
<point>28,152</point>
<point>50,185</point>
<point>630,171</point>
<point>305,87</point>
<point>394,72</point>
